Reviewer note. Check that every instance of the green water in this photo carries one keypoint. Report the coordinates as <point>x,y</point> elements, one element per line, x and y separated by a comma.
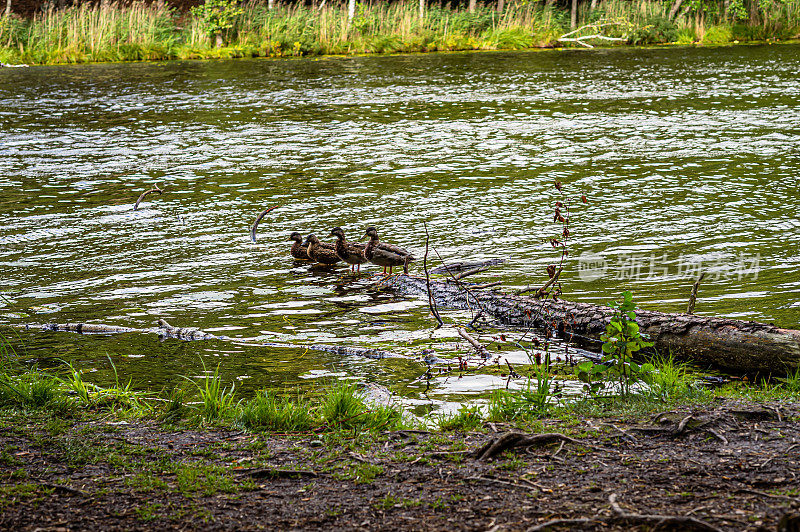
<point>689,158</point>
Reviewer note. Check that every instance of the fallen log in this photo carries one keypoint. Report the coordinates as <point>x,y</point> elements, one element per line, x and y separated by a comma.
<point>734,345</point>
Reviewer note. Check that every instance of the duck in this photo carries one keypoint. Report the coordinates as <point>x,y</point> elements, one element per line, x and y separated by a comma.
<point>351,253</point>
<point>386,255</point>
<point>299,249</point>
<point>320,251</point>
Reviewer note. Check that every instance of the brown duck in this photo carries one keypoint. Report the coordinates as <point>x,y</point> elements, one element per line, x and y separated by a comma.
<point>386,255</point>
<point>349,252</point>
<point>299,250</point>
<point>321,252</point>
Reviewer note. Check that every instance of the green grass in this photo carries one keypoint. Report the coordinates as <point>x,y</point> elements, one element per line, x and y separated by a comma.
<point>142,32</point>
<point>267,411</point>
<point>468,418</point>
<point>342,409</point>
<point>217,401</point>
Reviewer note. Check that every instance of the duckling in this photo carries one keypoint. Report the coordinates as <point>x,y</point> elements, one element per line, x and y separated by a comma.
<point>385,254</point>
<point>299,249</point>
<point>321,252</point>
<point>349,252</point>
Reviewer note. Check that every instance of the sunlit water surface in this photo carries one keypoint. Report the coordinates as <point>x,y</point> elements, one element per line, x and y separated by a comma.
<point>689,159</point>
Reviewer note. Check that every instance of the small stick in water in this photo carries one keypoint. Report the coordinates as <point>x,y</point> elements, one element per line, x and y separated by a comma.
<point>145,193</point>
<point>693,295</point>
<point>431,300</point>
<point>476,344</point>
<point>255,225</point>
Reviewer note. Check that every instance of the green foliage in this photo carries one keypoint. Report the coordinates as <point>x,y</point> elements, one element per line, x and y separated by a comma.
<point>32,389</point>
<point>791,383</point>
<point>686,36</point>
<point>657,29</point>
<point>669,378</point>
<point>267,411</point>
<point>75,383</point>
<point>718,35</point>
<point>216,16</point>
<point>621,341</point>
<point>344,407</point>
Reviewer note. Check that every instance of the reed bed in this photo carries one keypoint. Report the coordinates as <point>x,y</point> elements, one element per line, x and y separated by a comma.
<point>138,31</point>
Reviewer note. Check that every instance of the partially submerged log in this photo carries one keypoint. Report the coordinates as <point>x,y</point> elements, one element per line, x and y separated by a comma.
<point>165,330</point>
<point>740,346</point>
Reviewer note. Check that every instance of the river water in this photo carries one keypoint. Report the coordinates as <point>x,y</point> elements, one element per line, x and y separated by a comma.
<point>689,159</point>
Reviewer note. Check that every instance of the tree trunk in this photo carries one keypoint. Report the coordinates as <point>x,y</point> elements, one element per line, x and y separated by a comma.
<point>421,9</point>
<point>674,9</point>
<point>8,8</point>
<point>740,346</point>
<point>473,4</point>
<point>501,5</point>
<point>351,10</point>
<point>593,6</point>
<point>270,4</point>
<point>219,41</point>
<point>573,21</point>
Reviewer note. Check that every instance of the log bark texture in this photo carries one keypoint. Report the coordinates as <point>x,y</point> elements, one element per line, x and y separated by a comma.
<point>735,345</point>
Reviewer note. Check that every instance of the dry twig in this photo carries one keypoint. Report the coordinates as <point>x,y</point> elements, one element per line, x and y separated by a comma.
<point>681,522</point>
<point>431,299</point>
<point>693,295</point>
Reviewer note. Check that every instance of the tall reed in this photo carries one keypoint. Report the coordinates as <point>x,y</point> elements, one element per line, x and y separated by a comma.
<point>139,31</point>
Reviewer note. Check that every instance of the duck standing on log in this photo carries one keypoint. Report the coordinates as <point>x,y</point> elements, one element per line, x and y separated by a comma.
<point>386,255</point>
<point>351,253</point>
<point>321,252</point>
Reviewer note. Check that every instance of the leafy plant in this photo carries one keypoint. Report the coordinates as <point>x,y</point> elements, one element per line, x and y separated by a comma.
<point>620,341</point>
<point>217,16</point>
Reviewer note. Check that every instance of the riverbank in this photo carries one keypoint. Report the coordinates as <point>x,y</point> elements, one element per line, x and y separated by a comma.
<point>77,455</point>
<point>108,32</point>
<point>729,465</point>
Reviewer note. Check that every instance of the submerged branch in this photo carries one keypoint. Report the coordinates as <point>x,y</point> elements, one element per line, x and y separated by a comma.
<point>145,193</point>
<point>258,219</point>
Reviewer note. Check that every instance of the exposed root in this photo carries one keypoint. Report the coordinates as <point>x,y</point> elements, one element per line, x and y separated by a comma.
<point>513,440</point>
<point>276,473</point>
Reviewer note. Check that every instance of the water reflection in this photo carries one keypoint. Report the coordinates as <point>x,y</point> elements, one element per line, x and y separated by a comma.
<point>689,159</point>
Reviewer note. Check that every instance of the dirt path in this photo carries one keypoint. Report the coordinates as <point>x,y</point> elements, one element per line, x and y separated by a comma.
<point>733,467</point>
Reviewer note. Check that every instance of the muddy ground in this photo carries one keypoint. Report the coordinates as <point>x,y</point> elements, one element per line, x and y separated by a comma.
<point>733,466</point>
